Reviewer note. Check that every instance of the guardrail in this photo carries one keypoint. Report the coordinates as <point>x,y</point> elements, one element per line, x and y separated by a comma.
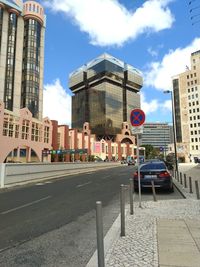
<point>13,173</point>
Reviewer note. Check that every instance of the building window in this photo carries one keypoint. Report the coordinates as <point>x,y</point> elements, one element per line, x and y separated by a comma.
<point>25,129</point>
<point>31,67</point>
<point>10,62</point>
<point>46,134</point>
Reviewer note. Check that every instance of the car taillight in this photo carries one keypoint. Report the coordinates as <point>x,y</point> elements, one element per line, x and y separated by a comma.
<point>135,175</point>
<point>164,174</point>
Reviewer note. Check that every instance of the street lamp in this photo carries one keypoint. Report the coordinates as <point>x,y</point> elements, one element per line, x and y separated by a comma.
<point>174,131</point>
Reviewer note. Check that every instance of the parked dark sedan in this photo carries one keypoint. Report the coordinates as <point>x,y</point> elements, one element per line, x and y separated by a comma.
<point>154,171</point>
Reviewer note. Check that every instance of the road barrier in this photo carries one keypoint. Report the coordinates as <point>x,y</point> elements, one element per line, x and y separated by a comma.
<point>14,173</point>
<point>99,231</point>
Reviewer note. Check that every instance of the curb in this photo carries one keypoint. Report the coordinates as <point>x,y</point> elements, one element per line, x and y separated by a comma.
<point>179,188</point>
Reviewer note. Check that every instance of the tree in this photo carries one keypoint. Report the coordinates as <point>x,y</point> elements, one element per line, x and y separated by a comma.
<point>150,151</point>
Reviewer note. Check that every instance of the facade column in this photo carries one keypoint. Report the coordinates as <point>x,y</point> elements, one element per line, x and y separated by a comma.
<point>66,142</point>
<point>83,146</point>
<point>18,153</point>
<point>109,150</point>
<point>28,154</point>
<point>119,151</point>
<point>55,138</point>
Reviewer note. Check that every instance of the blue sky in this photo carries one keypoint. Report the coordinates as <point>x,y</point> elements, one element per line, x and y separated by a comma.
<point>155,36</point>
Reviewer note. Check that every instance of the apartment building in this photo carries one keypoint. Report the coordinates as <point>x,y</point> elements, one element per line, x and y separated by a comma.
<point>186,90</point>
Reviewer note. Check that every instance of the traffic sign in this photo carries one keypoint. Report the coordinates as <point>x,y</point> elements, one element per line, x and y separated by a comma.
<point>137,117</point>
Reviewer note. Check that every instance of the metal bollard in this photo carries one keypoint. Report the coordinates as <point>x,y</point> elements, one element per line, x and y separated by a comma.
<point>122,208</point>
<point>131,195</point>
<point>153,190</point>
<point>176,176</point>
<point>185,180</point>
<point>99,230</point>
<point>197,189</point>
<point>190,184</point>
<point>181,180</point>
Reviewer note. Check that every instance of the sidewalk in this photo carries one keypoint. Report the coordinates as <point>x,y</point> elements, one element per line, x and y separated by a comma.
<point>162,233</point>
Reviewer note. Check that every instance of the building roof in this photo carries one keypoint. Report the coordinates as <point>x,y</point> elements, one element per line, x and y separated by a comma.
<point>16,4</point>
<point>109,58</point>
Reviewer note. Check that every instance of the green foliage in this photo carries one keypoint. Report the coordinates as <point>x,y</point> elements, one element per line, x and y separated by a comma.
<point>150,152</point>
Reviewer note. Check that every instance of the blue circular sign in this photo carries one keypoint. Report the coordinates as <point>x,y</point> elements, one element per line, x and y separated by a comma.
<point>137,117</point>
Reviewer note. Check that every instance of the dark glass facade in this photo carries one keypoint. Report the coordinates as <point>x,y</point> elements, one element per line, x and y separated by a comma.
<point>10,66</point>
<point>177,110</point>
<point>1,22</point>
<point>31,66</point>
<point>103,97</point>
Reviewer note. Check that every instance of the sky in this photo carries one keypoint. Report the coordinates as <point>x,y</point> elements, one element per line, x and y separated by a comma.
<point>155,36</point>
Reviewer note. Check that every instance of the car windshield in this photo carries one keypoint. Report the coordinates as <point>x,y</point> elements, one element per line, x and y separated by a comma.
<point>153,166</point>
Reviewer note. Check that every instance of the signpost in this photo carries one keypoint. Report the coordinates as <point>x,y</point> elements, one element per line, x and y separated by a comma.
<point>137,118</point>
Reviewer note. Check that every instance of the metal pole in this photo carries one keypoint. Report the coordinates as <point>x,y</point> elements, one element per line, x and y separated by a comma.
<point>131,196</point>
<point>197,189</point>
<point>153,190</point>
<point>181,180</point>
<point>122,208</point>
<point>174,132</point>
<point>99,230</point>
<point>185,180</point>
<point>190,184</point>
<point>138,162</point>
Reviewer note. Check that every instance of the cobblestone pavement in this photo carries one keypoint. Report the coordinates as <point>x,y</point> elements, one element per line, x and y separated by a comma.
<point>139,247</point>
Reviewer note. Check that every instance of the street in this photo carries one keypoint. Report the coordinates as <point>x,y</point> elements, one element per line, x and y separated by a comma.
<point>51,222</point>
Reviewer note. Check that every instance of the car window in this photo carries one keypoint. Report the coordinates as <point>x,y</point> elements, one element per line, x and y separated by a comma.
<point>153,166</point>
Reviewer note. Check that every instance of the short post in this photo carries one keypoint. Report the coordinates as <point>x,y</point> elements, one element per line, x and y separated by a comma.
<point>122,209</point>
<point>181,180</point>
<point>190,184</point>
<point>2,175</point>
<point>185,180</point>
<point>175,174</point>
<point>197,189</point>
<point>153,190</point>
<point>99,230</point>
<point>131,196</point>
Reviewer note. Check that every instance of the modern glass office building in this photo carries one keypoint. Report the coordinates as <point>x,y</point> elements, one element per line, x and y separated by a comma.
<point>22,27</point>
<point>105,91</point>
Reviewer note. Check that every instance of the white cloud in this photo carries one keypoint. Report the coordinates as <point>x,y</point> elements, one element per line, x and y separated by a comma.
<point>57,103</point>
<point>159,74</point>
<point>109,23</point>
<point>148,106</point>
<point>155,105</point>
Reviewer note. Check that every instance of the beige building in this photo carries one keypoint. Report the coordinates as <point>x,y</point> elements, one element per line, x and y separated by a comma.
<point>186,89</point>
<point>23,131</point>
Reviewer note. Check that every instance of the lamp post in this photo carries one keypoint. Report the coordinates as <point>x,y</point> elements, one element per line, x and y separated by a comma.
<point>174,131</point>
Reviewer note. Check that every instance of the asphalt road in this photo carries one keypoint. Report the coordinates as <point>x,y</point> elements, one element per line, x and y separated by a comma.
<point>53,223</point>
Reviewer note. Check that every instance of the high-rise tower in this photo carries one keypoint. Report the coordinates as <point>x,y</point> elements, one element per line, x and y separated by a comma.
<point>105,91</point>
<point>22,27</point>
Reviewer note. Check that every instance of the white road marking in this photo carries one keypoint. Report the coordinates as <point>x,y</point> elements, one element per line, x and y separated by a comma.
<point>26,205</point>
<point>39,184</point>
<point>80,185</point>
<point>105,177</point>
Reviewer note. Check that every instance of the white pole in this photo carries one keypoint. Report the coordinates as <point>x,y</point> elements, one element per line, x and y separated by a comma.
<point>2,174</point>
<point>138,162</point>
